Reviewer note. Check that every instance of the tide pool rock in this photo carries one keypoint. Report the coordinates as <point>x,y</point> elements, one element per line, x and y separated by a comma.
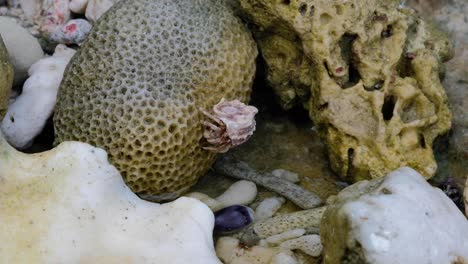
<point>399,218</point>
<point>69,205</point>
<point>23,48</point>
<point>369,74</point>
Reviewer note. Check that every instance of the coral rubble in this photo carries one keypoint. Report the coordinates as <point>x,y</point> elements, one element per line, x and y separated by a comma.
<point>367,71</point>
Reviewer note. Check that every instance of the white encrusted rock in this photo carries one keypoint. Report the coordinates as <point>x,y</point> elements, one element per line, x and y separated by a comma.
<point>69,205</point>
<point>399,218</point>
<point>23,48</point>
<point>27,115</point>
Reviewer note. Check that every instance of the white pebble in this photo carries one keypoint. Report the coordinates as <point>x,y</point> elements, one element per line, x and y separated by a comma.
<point>279,238</point>
<point>239,193</point>
<point>210,202</point>
<point>268,207</point>
<point>286,175</point>
<point>78,6</point>
<point>23,48</point>
<point>284,258</point>
<point>309,244</point>
<point>96,8</point>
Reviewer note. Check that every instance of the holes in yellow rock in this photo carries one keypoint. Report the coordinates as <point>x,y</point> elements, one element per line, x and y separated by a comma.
<point>388,32</point>
<point>346,47</point>
<point>350,161</point>
<point>377,86</point>
<point>339,9</point>
<point>325,18</point>
<point>388,107</point>
<point>286,2</point>
<point>303,9</point>
<point>421,140</point>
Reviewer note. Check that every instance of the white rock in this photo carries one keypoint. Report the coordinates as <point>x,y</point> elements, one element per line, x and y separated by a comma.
<point>96,8</point>
<point>239,193</point>
<point>284,258</point>
<point>26,117</point>
<point>69,205</point>
<point>78,6</point>
<point>286,175</point>
<point>23,48</point>
<point>75,31</point>
<point>279,238</point>
<point>309,244</point>
<point>268,207</point>
<point>396,219</point>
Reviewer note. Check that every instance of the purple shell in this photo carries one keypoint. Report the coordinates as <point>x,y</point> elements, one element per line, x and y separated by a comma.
<point>232,218</point>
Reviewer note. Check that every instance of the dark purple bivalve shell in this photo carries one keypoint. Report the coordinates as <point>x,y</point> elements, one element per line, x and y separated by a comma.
<point>232,218</point>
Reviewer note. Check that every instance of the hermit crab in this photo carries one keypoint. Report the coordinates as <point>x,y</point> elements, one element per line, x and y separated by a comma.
<point>231,123</point>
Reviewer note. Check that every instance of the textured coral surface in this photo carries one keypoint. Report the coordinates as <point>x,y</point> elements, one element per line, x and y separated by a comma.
<point>367,71</point>
<point>136,86</point>
<point>6,78</point>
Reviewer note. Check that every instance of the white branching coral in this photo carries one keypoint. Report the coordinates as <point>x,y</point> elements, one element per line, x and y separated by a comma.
<point>231,124</point>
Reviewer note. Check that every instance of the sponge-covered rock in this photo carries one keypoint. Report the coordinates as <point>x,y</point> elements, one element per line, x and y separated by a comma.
<point>136,86</point>
<point>6,78</point>
<point>368,71</point>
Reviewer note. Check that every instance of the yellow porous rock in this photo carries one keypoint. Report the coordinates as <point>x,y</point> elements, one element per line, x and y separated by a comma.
<point>6,78</point>
<point>368,71</point>
<point>136,87</point>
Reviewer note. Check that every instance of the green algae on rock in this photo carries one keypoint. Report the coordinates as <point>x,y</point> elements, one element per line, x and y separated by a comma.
<point>368,73</point>
<point>6,79</point>
<point>136,86</point>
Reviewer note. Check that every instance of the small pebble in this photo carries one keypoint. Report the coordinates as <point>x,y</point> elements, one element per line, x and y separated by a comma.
<point>268,207</point>
<point>232,218</point>
<point>241,193</point>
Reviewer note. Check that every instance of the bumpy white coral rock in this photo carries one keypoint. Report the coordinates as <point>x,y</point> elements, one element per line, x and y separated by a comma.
<point>396,219</point>
<point>69,205</point>
<point>27,116</point>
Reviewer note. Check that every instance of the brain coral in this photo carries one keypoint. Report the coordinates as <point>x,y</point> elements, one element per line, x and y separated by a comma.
<point>368,71</point>
<point>6,78</point>
<point>136,86</point>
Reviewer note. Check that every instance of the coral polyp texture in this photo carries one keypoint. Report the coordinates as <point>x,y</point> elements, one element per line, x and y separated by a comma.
<point>368,71</point>
<point>6,78</point>
<point>136,87</point>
